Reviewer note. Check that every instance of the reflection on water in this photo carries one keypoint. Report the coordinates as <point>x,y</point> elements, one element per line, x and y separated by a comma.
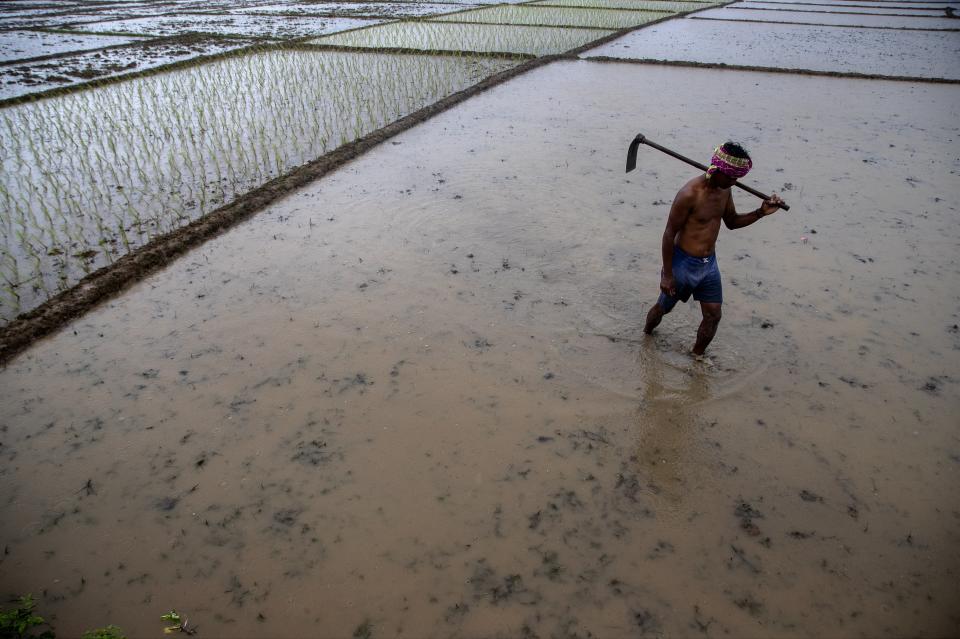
<point>667,418</point>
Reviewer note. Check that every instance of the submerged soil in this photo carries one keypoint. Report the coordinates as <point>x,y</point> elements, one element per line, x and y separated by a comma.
<point>827,18</point>
<point>919,54</point>
<point>414,399</point>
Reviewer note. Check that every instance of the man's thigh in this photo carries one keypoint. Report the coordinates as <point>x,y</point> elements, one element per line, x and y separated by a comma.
<point>711,310</point>
<point>710,288</point>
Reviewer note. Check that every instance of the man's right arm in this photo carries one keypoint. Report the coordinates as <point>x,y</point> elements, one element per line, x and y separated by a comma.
<point>679,212</point>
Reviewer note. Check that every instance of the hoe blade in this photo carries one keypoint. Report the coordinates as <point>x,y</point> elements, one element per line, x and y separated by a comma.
<point>632,152</point>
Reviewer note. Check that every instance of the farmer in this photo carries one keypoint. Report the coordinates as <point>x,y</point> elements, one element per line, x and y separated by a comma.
<point>689,261</point>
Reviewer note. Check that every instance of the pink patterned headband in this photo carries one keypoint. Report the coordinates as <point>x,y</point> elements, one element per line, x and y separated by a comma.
<point>728,164</point>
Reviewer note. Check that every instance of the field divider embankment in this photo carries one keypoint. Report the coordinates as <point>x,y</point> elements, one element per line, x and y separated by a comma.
<point>820,24</point>
<point>747,67</point>
<point>319,47</point>
<point>78,32</point>
<point>183,38</point>
<point>110,280</point>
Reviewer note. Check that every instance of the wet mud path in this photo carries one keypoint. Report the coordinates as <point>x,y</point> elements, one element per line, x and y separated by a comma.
<point>419,403</point>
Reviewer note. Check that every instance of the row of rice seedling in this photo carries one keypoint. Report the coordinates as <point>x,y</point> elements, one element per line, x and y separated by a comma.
<point>554,16</point>
<point>636,5</point>
<point>439,36</point>
<point>86,177</point>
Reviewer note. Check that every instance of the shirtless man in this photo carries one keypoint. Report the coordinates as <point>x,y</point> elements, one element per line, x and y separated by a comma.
<point>689,262</point>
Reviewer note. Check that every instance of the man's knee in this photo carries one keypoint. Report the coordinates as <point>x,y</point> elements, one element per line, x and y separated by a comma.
<point>712,313</point>
<point>664,306</point>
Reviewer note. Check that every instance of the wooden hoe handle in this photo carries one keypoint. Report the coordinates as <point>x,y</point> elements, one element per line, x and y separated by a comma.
<point>642,139</point>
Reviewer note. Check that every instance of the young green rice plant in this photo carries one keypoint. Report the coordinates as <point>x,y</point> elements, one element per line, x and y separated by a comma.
<point>637,5</point>
<point>554,16</point>
<point>106,169</point>
<point>437,36</point>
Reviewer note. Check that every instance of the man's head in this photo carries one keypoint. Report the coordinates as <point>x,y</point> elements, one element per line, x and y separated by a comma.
<point>729,163</point>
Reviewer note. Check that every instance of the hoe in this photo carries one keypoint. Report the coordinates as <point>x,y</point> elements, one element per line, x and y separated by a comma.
<point>642,139</point>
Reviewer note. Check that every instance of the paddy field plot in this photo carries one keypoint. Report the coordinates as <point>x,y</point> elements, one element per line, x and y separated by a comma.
<point>30,77</point>
<point>826,18</point>
<point>22,45</point>
<point>853,7</point>
<point>271,26</point>
<point>88,176</point>
<point>907,4</point>
<point>436,36</point>
<point>34,19</point>
<point>637,5</point>
<point>391,9</point>
<point>921,54</point>
<point>554,16</point>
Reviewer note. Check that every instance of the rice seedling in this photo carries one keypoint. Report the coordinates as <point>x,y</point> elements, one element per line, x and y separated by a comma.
<point>438,36</point>
<point>554,16</point>
<point>88,176</point>
<point>636,5</point>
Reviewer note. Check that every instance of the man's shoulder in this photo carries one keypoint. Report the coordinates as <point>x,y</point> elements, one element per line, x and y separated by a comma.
<point>691,189</point>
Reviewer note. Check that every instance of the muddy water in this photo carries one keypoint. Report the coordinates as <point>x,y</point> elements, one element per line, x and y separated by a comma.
<point>17,45</point>
<point>922,54</point>
<point>853,7</point>
<point>828,18</point>
<point>415,400</point>
<point>239,24</point>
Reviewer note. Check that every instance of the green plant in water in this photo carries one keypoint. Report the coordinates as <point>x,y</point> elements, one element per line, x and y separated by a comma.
<point>20,622</point>
<point>110,632</point>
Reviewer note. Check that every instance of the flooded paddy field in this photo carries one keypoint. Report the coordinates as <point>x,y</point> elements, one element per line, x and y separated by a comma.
<point>121,192</point>
<point>150,154</point>
<point>846,7</point>
<point>920,54</point>
<point>636,5</point>
<point>377,9</point>
<point>22,78</point>
<point>555,16</point>
<point>23,45</point>
<point>832,19</point>
<point>242,24</point>
<point>414,398</point>
<point>474,38</point>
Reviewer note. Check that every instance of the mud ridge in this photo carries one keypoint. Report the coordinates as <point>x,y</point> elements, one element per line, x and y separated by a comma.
<point>319,47</point>
<point>184,39</point>
<point>748,67</point>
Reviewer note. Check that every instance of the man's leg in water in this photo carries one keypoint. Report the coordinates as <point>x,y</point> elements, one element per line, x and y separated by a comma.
<point>708,326</point>
<point>654,316</point>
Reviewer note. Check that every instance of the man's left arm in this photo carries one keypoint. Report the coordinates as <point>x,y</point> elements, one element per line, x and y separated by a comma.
<point>733,220</point>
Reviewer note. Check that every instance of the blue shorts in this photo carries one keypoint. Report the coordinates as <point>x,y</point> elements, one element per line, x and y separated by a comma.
<point>697,276</point>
